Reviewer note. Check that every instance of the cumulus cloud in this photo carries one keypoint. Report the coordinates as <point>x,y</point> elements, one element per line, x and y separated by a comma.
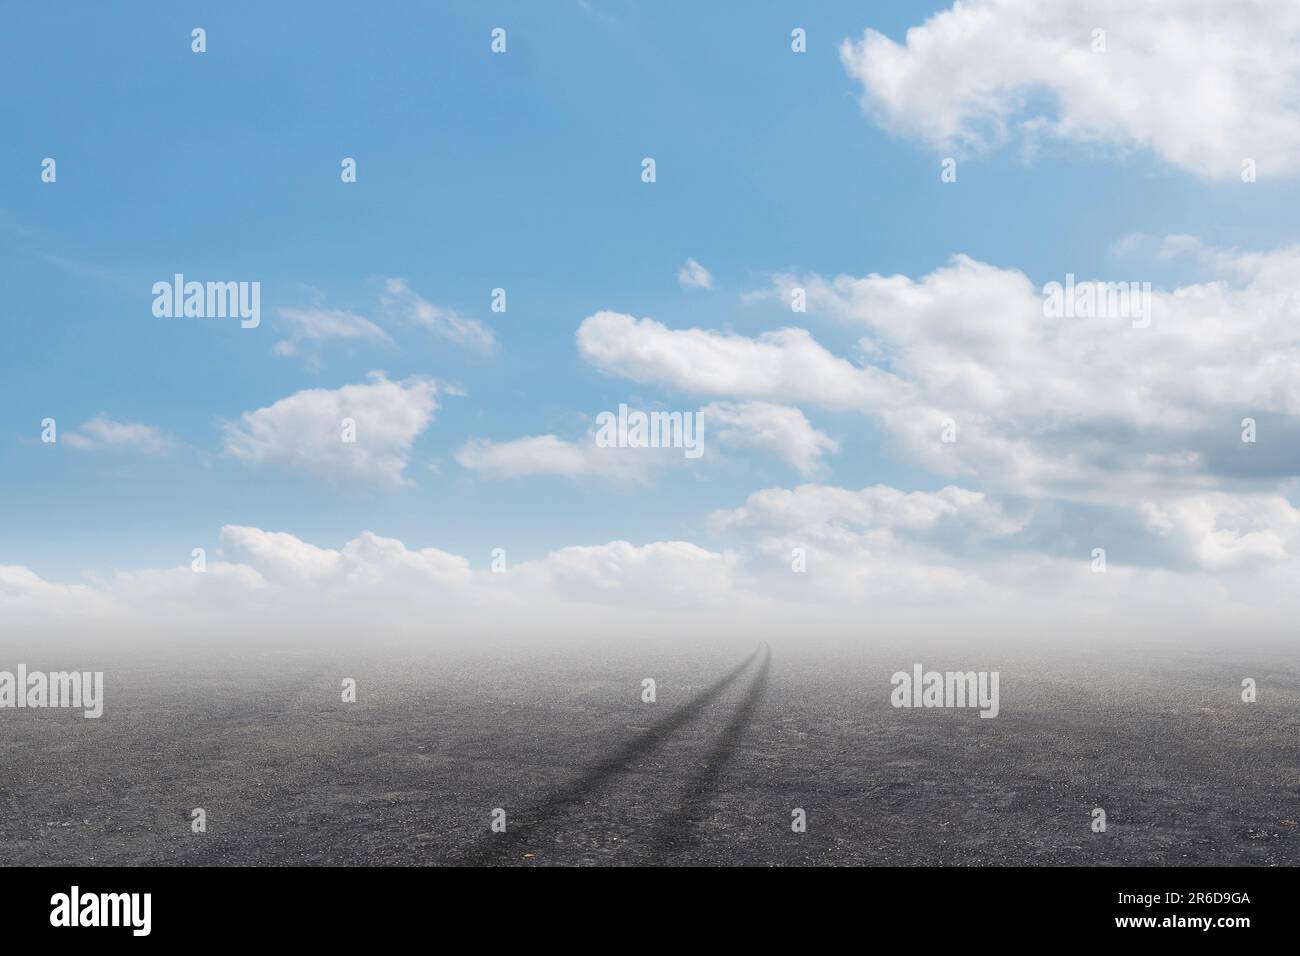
<point>316,325</point>
<point>184,592</point>
<point>1201,84</point>
<point>786,557</point>
<point>22,590</point>
<point>277,553</point>
<point>372,559</point>
<point>874,543</point>
<point>368,560</point>
<point>962,547</point>
<point>1222,531</point>
<point>780,429</point>
<point>785,365</point>
<point>102,433</point>
<point>1098,427</point>
<point>305,431</point>
<point>695,276</point>
<point>1101,433</point>
<point>675,571</point>
<point>370,564</point>
<point>406,305</point>
<point>1085,406</point>
<point>829,513</point>
<point>274,585</point>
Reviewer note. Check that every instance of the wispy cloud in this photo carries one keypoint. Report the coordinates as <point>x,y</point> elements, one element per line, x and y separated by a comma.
<point>106,434</point>
<point>548,455</point>
<point>316,325</point>
<point>695,276</point>
<point>782,365</point>
<point>406,305</point>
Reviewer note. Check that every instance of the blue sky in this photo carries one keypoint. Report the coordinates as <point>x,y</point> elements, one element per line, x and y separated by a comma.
<point>477,171</point>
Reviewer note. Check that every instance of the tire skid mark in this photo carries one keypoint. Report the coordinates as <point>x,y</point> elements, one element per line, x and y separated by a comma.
<point>492,847</point>
<point>675,829</point>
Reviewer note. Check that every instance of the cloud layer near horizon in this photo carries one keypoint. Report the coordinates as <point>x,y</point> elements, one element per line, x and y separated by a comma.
<point>784,555</point>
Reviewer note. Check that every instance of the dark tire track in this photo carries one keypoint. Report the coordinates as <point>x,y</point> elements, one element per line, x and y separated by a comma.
<point>491,847</point>
<point>676,830</point>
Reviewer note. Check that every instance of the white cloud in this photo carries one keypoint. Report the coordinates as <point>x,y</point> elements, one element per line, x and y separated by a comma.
<point>828,512</point>
<point>1202,84</point>
<point>399,299</point>
<point>902,553</point>
<point>695,276</point>
<point>367,562</point>
<point>1222,531</point>
<point>315,325</point>
<point>277,554</point>
<point>304,431</point>
<point>961,547</point>
<point>275,584</point>
<point>373,560</point>
<point>779,429</point>
<point>786,365</point>
<point>549,455</point>
<point>878,542</point>
<point>1105,434</point>
<point>23,590</point>
<point>1083,407</point>
<point>184,591</point>
<point>674,571</point>
<point>258,572</point>
<point>101,433</point>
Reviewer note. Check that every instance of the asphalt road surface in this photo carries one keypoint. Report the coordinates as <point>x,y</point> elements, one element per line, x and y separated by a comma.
<point>740,736</point>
